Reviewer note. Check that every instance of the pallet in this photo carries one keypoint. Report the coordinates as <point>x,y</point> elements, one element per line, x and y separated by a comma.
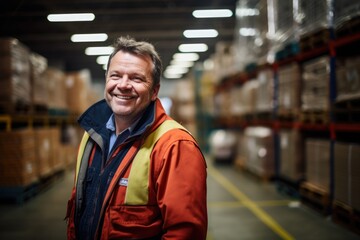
<point>314,39</point>
<point>315,116</point>
<point>17,107</point>
<point>19,194</point>
<point>315,197</point>
<point>347,111</point>
<point>263,115</point>
<point>288,115</point>
<point>40,109</point>
<point>346,216</point>
<point>349,27</point>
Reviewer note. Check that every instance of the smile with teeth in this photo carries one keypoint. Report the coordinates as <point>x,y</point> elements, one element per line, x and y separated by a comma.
<point>122,97</point>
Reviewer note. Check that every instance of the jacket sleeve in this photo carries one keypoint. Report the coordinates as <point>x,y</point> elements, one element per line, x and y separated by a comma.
<point>70,216</point>
<point>181,191</point>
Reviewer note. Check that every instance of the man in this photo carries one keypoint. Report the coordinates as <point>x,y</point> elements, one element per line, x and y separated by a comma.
<point>139,174</point>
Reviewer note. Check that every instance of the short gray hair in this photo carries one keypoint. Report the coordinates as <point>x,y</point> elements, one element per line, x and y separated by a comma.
<point>130,45</point>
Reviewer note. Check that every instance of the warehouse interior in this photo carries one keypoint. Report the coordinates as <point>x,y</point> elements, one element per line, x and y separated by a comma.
<point>271,94</point>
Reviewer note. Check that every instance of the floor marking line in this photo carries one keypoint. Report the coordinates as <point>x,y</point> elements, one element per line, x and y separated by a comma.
<point>252,206</point>
<point>270,203</point>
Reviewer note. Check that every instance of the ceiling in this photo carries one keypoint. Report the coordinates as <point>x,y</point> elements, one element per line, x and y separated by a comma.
<point>160,22</point>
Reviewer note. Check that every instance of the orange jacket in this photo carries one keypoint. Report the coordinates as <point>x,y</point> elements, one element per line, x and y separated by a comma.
<point>176,206</point>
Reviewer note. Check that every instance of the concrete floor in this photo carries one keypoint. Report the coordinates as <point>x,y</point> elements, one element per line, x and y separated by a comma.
<point>240,207</point>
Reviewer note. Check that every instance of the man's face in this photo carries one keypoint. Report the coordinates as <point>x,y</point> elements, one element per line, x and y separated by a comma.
<point>129,85</point>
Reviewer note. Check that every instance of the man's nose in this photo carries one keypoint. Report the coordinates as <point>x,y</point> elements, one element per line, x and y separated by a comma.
<point>124,82</point>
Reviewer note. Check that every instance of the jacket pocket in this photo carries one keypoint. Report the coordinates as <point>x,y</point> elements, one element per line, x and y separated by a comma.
<point>141,221</point>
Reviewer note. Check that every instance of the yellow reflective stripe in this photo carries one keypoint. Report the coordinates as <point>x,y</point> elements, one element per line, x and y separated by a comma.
<point>80,154</point>
<point>137,192</point>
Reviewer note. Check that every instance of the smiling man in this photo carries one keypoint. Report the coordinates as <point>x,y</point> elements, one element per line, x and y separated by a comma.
<point>140,174</point>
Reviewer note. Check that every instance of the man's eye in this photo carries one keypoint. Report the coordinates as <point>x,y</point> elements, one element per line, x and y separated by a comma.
<point>114,76</point>
<point>137,79</point>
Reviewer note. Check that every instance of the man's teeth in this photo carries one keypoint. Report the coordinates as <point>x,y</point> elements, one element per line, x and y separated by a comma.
<point>123,97</point>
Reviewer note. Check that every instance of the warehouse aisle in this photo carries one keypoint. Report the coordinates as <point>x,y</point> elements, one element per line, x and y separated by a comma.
<point>243,207</point>
<point>240,207</point>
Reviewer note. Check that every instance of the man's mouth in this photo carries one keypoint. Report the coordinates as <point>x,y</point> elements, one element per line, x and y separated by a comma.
<point>123,97</point>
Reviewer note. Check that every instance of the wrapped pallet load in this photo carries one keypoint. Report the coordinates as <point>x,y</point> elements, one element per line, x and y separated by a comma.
<point>15,92</point>
<point>223,145</point>
<point>256,152</point>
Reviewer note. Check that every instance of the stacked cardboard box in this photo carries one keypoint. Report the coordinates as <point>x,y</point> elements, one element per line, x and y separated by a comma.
<point>315,89</point>
<point>55,79</point>
<point>317,163</point>
<point>78,90</point>
<point>345,11</point>
<point>57,162</point>
<point>207,92</point>
<point>256,151</point>
<point>184,106</point>
<point>243,98</point>
<point>70,139</point>
<point>291,163</point>
<point>15,94</point>
<point>43,151</point>
<point>289,88</point>
<point>222,103</point>
<point>314,15</point>
<point>346,174</point>
<point>17,158</point>
<point>224,60</point>
<point>39,90</point>
<point>348,79</point>
<point>265,92</point>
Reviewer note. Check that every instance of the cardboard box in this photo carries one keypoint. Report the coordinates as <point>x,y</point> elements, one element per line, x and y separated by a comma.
<point>317,162</point>
<point>17,158</point>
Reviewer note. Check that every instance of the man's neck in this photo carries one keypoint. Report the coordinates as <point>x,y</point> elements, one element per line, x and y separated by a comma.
<point>122,123</point>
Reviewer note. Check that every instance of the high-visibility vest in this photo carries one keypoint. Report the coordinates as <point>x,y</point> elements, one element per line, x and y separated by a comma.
<point>138,180</point>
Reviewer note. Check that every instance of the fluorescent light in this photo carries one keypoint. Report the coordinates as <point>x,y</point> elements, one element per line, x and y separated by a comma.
<point>244,12</point>
<point>182,63</point>
<point>91,37</point>
<point>176,70</point>
<point>102,60</point>
<point>186,56</point>
<point>247,32</point>
<point>194,47</point>
<point>213,13</point>
<point>99,50</point>
<point>71,17</point>
<point>201,33</point>
<point>172,76</point>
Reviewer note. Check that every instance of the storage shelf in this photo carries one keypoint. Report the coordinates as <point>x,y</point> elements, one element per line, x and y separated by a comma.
<point>10,121</point>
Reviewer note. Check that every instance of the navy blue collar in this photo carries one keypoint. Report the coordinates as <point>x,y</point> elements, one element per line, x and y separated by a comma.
<point>96,117</point>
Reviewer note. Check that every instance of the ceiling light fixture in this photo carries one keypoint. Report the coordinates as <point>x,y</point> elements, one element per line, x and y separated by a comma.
<point>176,70</point>
<point>172,76</point>
<point>248,32</point>
<point>186,56</point>
<point>212,13</point>
<point>201,33</point>
<point>245,12</point>
<point>182,63</point>
<point>71,17</point>
<point>102,60</point>
<point>91,37</point>
<point>99,50</point>
<point>193,47</point>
